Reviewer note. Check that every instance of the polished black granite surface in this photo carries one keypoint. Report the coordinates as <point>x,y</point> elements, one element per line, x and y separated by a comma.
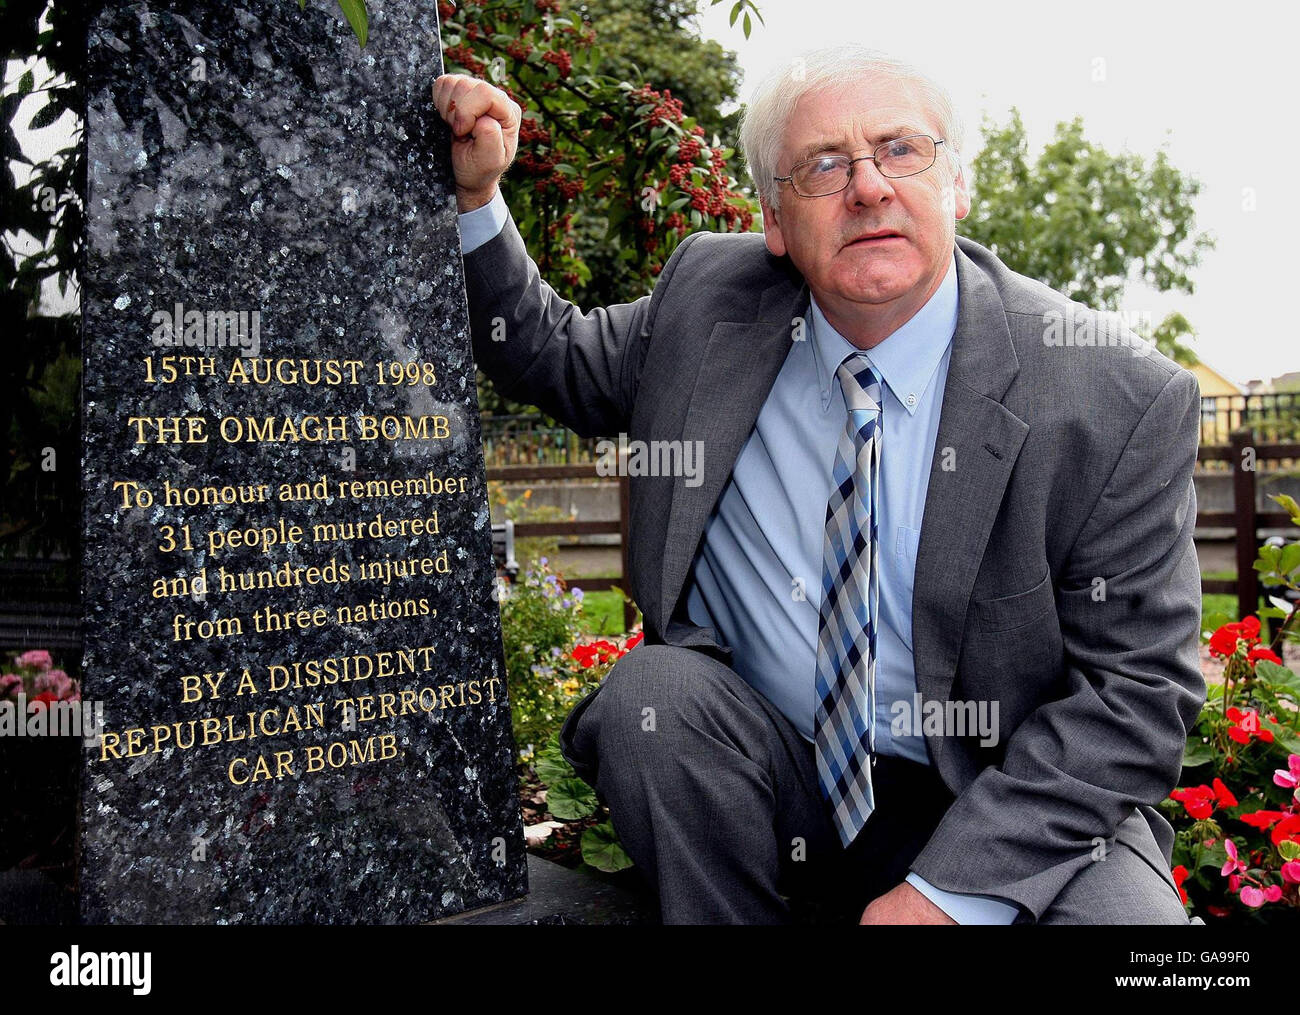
<point>289,612</point>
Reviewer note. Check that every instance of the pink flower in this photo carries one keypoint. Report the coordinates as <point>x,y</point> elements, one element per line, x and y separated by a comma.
<point>1252,897</point>
<point>1272,893</point>
<point>55,682</point>
<point>10,683</point>
<point>1289,779</point>
<point>1235,864</point>
<point>1291,872</point>
<point>37,657</point>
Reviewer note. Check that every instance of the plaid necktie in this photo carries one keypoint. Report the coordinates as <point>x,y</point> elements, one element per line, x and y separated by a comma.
<point>846,634</point>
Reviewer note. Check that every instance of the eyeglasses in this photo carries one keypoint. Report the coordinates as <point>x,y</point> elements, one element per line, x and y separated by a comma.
<point>829,174</point>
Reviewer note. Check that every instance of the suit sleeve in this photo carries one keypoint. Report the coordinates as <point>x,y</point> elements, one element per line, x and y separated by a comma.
<point>581,368</point>
<point>1077,766</point>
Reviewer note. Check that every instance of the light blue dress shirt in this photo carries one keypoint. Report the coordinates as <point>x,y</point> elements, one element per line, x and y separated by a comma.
<point>757,581</point>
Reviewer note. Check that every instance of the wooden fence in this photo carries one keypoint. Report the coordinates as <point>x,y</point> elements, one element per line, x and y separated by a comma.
<point>586,470</point>
<point>1245,517</point>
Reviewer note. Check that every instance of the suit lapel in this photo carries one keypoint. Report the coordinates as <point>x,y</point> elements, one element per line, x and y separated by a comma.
<point>966,485</point>
<point>738,369</point>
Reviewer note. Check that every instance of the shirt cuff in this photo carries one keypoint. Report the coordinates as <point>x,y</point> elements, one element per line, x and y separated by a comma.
<point>966,909</point>
<point>482,224</point>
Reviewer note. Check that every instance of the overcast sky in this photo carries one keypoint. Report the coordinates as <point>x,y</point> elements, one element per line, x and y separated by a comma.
<point>1187,75</point>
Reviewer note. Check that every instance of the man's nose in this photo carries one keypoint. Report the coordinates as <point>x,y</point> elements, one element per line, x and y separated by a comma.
<point>867,185</point>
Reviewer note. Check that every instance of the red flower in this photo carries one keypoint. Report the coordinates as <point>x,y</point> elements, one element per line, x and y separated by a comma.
<point>1222,795</point>
<point>635,640</point>
<point>1256,654</point>
<point>1180,875</point>
<point>1224,641</point>
<point>1247,725</point>
<point>1262,819</point>
<point>1287,828</point>
<point>1198,800</point>
<point>45,698</point>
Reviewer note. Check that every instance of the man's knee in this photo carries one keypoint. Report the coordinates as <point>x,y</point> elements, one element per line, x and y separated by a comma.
<point>1120,889</point>
<point>650,698</point>
<point>660,707</point>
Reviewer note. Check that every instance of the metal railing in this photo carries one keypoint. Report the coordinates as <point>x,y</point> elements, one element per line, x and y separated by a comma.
<point>527,441</point>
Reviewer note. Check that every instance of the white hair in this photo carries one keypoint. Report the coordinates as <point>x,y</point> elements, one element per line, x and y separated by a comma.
<point>773,101</point>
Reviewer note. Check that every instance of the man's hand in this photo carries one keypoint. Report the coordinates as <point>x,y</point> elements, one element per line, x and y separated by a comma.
<point>485,133</point>
<point>903,904</point>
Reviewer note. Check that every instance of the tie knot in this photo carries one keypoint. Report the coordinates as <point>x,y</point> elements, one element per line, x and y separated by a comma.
<point>860,383</point>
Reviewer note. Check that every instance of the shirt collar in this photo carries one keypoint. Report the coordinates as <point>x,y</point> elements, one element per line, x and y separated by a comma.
<point>907,359</point>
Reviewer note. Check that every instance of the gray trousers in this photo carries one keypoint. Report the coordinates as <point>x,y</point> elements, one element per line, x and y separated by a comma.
<point>714,795</point>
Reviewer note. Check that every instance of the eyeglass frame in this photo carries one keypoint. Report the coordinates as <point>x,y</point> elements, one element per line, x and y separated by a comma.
<point>862,158</point>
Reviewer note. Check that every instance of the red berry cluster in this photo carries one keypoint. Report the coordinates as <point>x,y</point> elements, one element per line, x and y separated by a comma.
<point>565,224</point>
<point>446,10</point>
<point>464,56</point>
<point>561,58</point>
<point>666,108</point>
<point>531,131</point>
<point>712,200</point>
<point>519,49</point>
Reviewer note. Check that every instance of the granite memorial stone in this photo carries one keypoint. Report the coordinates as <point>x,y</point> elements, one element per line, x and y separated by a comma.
<point>289,599</point>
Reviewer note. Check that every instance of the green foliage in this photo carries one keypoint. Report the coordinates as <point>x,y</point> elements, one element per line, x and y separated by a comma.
<point>612,170</point>
<point>549,763</point>
<point>1085,221</point>
<point>1166,336</point>
<point>41,199</point>
<point>659,41</point>
<point>602,849</point>
<point>571,799</point>
<point>1240,766</point>
<point>539,627</point>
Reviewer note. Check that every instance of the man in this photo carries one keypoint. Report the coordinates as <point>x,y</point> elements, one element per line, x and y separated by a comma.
<point>922,646</point>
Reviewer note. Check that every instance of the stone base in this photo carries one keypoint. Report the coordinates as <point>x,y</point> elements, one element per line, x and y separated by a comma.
<point>558,896</point>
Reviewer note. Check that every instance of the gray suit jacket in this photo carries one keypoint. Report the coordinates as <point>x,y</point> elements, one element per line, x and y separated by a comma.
<point>1071,465</point>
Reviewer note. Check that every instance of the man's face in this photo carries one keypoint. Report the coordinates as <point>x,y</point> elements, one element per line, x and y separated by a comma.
<point>824,235</point>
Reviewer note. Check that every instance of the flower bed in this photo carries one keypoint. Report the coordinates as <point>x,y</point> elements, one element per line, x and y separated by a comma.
<point>1236,813</point>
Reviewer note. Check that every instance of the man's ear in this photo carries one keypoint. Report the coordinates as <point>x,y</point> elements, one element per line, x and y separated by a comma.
<point>961,194</point>
<point>772,229</point>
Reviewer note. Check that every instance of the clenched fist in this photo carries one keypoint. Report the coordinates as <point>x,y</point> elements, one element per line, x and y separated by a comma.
<point>484,124</point>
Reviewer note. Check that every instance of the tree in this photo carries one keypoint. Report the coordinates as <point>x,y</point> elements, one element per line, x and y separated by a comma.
<point>659,41</point>
<point>43,223</point>
<point>1087,222</point>
<point>611,173</point>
